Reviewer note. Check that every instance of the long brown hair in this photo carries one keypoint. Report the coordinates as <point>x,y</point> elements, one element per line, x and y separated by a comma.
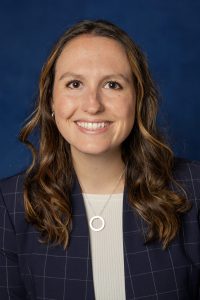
<point>48,180</point>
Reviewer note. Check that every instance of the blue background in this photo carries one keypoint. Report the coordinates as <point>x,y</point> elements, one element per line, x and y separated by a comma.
<point>167,31</point>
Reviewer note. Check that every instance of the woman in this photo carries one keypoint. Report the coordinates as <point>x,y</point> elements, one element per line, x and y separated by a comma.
<point>104,211</point>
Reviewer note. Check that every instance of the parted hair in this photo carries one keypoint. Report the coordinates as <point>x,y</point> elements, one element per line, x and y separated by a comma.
<point>149,160</point>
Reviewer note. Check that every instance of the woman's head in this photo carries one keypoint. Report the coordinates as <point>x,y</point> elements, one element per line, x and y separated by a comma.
<point>93,95</point>
<point>108,38</point>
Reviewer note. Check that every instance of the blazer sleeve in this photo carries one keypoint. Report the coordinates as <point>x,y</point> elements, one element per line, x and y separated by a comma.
<point>11,286</point>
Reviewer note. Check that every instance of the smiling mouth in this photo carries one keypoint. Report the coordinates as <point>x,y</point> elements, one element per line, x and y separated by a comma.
<point>93,125</point>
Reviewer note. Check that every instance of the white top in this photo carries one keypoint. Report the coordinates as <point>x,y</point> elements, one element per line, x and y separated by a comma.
<point>107,246</point>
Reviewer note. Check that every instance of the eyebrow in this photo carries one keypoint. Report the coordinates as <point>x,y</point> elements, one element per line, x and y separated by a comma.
<point>72,74</point>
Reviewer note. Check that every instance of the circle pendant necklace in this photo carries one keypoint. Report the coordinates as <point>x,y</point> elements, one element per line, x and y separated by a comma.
<point>98,217</point>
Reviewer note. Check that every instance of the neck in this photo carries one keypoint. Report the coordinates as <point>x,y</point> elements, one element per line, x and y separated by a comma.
<point>99,174</point>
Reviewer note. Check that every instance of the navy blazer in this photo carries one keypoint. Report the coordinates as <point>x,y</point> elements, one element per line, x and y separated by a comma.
<point>32,270</point>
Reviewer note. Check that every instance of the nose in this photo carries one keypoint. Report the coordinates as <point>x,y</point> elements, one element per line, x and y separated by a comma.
<point>92,102</point>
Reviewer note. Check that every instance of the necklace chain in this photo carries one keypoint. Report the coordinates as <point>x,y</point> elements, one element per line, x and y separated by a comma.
<point>99,216</point>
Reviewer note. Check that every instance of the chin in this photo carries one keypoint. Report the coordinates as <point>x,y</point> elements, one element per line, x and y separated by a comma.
<point>92,150</point>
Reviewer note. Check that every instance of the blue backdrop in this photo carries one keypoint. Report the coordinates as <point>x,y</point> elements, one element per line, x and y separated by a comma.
<point>167,31</point>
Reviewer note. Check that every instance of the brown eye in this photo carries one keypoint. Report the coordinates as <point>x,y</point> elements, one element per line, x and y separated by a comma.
<point>113,85</point>
<point>74,84</point>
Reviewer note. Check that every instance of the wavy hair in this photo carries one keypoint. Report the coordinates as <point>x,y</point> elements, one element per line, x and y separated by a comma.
<point>149,160</point>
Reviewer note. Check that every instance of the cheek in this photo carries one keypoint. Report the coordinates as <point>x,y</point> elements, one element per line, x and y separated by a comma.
<point>131,114</point>
<point>127,110</point>
<point>64,107</point>
<point>128,118</point>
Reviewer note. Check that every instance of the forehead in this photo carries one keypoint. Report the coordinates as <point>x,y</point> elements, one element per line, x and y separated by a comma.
<point>90,51</point>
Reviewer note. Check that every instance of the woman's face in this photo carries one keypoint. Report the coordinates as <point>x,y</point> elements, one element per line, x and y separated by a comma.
<point>93,95</point>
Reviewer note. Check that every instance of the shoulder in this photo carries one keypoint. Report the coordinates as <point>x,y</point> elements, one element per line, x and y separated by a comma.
<point>186,169</point>
<point>10,184</point>
<point>187,174</point>
<point>11,192</point>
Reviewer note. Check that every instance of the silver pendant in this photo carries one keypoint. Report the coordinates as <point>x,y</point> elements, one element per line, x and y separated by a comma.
<point>97,218</point>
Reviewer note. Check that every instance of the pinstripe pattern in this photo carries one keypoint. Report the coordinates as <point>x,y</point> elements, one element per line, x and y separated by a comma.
<point>31,270</point>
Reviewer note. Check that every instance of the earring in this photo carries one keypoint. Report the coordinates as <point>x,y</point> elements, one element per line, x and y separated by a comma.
<point>53,114</point>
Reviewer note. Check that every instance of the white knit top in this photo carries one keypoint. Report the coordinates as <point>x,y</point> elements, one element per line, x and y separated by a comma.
<point>107,247</point>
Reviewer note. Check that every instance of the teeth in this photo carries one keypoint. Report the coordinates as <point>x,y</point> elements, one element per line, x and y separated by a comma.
<point>92,126</point>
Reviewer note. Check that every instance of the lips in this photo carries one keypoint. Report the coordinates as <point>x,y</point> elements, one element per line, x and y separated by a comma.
<point>93,125</point>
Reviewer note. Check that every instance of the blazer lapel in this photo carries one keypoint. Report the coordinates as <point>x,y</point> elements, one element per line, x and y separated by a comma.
<point>80,247</point>
<point>132,241</point>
